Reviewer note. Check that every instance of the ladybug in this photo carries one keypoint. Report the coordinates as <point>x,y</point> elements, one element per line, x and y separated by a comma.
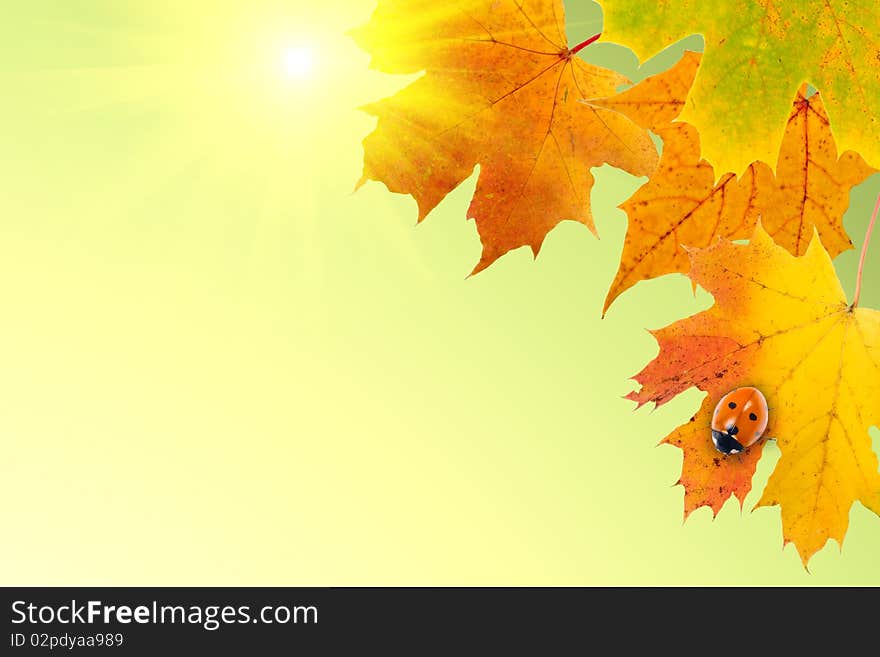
<point>739,420</point>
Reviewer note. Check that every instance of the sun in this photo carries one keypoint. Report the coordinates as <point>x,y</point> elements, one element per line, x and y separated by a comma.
<point>298,62</point>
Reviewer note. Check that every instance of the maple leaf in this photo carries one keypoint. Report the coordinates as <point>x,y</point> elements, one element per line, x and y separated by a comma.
<point>682,204</point>
<point>758,53</point>
<point>656,101</point>
<point>782,324</point>
<point>500,89</point>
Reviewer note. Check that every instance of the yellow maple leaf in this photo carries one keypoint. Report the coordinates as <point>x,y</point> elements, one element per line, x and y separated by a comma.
<point>782,324</point>
<point>500,89</point>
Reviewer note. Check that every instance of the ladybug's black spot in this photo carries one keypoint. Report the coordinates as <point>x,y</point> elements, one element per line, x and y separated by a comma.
<point>731,405</point>
<point>733,430</point>
<point>753,417</point>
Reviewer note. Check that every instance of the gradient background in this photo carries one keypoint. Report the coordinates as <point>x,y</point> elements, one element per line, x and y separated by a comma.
<point>220,366</point>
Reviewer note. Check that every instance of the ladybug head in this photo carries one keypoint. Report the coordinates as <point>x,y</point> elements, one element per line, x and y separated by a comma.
<point>725,441</point>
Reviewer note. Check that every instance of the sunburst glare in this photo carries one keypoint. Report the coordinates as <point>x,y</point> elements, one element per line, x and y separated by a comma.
<point>298,62</point>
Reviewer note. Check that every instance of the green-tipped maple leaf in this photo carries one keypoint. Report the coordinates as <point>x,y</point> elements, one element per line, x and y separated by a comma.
<point>758,53</point>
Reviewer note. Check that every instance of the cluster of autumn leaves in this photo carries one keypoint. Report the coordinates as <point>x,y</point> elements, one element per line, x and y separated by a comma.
<point>501,89</point>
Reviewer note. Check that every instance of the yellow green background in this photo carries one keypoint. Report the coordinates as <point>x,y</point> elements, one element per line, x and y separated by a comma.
<point>221,366</point>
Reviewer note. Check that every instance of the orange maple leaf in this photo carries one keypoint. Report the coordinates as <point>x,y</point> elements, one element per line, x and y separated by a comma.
<point>656,101</point>
<point>782,324</point>
<point>682,204</point>
<point>500,89</point>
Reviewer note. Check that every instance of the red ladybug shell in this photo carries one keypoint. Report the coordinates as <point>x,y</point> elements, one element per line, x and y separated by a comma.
<point>739,420</point>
